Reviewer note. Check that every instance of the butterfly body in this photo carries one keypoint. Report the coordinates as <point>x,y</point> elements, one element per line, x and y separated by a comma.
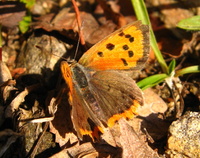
<point>99,92</point>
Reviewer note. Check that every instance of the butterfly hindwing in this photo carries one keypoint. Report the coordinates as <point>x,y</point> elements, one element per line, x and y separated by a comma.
<point>117,95</point>
<point>100,99</point>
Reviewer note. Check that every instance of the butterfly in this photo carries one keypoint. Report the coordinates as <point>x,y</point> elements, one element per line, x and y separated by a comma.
<point>100,93</point>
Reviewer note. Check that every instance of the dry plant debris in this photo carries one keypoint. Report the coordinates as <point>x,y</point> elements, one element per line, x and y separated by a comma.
<point>34,113</point>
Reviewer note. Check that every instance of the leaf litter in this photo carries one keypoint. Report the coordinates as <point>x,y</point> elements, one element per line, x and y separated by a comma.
<point>38,95</point>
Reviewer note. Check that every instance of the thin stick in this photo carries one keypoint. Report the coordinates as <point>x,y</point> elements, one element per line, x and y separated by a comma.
<point>0,44</point>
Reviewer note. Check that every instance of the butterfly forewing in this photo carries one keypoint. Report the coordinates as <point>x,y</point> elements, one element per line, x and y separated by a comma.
<point>125,49</point>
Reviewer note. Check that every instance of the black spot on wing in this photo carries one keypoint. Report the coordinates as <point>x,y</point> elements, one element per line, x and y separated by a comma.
<point>110,46</point>
<point>121,34</point>
<point>124,62</point>
<point>130,53</point>
<point>100,54</point>
<point>131,39</point>
<point>125,47</point>
<point>127,36</point>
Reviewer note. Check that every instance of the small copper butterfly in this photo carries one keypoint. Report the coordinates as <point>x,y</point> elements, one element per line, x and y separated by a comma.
<point>99,92</point>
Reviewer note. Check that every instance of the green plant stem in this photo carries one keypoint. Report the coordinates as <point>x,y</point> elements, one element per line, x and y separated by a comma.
<point>158,54</point>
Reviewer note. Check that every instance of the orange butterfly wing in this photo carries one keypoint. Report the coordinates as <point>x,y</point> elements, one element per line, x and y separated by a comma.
<point>125,49</point>
<point>101,97</point>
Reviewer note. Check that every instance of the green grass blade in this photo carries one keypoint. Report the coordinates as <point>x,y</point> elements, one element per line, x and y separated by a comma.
<point>151,81</point>
<point>172,66</point>
<point>192,23</point>
<point>191,69</point>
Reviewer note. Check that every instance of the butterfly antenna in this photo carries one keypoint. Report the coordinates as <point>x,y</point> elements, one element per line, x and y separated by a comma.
<point>77,46</point>
<point>80,39</point>
<point>59,56</point>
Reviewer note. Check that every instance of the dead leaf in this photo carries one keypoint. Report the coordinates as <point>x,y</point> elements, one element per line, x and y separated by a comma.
<point>151,115</point>
<point>132,145</point>
<point>11,12</point>
<point>14,105</point>
<point>17,72</point>
<point>111,13</point>
<point>193,45</point>
<point>66,24</point>
<point>89,150</point>
<point>5,74</point>
<point>16,102</point>
<point>129,138</point>
<point>7,88</point>
<point>153,104</point>
<point>62,126</point>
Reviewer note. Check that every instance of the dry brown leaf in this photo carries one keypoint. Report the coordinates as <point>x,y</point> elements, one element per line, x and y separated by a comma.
<point>179,10</point>
<point>89,150</point>
<point>65,23</point>
<point>11,13</point>
<point>151,115</point>
<point>153,104</point>
<point>16,102</point>
<point>14,105</point>
<point>17,72</point>
<point>128,136</point>
<point>111,12</point>
<point>5,74</point>
<point>132,145</point>
<point>62,126</point>
<point>7,88</point>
